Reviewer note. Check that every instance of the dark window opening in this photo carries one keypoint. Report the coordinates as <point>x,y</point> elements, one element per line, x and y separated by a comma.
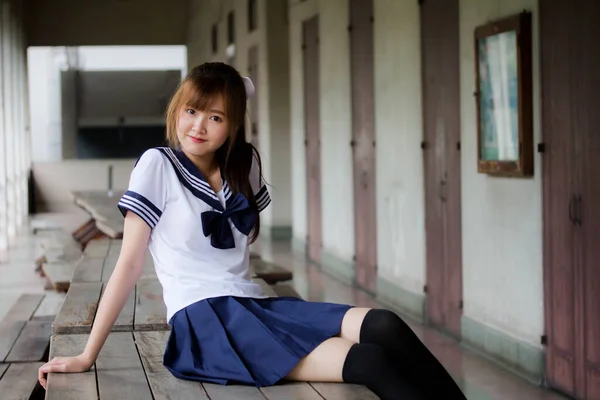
<point>215,45</point>
<point>230,28</point>
<point>252,15</point>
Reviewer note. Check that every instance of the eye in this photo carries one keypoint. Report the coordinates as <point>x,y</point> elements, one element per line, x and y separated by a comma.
<point>190,111</point>
<point>216,118</point>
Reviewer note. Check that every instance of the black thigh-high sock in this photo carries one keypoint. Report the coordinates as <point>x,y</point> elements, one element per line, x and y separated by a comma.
<point>412,359</point>
<point>367,364</point>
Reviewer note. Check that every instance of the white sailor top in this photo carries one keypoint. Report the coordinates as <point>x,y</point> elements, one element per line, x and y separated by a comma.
<point>199,238</point>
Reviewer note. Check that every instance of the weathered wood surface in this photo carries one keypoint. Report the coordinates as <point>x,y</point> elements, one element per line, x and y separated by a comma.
<point>19,380</point>
<point>270,272</point>
<point>59,274</point>
<point>13,323</point>
<point>32,343</point>
<point>81,386</point>
<point>79,308</point>
<point>103,209</point>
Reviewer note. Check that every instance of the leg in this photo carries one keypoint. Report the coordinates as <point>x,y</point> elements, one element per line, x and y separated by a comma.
<point>324,363</point>
<point>411,357</point>
<point>339,360</point>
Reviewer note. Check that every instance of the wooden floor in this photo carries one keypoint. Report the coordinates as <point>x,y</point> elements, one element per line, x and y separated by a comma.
<point>479,378</point>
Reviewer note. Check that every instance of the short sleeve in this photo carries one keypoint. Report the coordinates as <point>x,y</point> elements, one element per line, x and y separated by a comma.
<point>146,193</point>
<point>261,194</point>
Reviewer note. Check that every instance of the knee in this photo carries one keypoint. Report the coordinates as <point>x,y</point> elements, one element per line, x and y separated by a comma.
<point>382,325</point>
<point>364,363</point>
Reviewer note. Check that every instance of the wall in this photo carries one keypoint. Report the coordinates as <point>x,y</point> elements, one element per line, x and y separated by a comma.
<point>299,11</point>
<point>399,131</point>
<point>54,181</point>
<point>272,89</point>
<point>110,22</point>
<point>501,217</point>
<point>14,130</point>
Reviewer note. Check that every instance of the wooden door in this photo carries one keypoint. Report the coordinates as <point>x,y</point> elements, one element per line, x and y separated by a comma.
<point>363,142</point>
<point>253,74</point>
<point>571,124</point>
<point>558,192</point>
<point>310,48</point>
<point>441,152</point>
<point>588,127</point>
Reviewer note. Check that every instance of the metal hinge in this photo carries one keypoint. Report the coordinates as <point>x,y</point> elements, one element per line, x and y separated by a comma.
<point>425,289</point>
<point>541,147</point>
<point>544,340</point>
<point>460,304</point>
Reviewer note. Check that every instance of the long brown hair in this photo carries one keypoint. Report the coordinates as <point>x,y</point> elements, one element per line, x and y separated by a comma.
<point>234,157</point>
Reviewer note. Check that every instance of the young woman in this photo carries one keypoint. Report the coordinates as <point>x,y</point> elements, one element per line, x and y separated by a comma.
<point>195,205</point>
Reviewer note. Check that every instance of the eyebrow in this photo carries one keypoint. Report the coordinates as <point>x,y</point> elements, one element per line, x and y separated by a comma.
<point>217,112</point>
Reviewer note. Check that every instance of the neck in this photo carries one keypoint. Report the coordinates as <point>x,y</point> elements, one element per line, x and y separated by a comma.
<point>206,164</point>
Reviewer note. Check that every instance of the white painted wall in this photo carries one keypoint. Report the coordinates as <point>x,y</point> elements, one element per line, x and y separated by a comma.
<point>399,129</point>
<point>299,11</point>
<point>336,130</point>
<point>272,89</point>
<point>501,217</point>
<point>14,131</point>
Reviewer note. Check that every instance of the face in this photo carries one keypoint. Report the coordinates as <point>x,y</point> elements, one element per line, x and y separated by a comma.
<point>201,133</point>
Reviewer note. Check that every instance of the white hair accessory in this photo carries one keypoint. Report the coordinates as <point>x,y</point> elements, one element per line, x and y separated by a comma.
<point>249,87</point>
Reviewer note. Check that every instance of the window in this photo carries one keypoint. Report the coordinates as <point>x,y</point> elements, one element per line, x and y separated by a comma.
<point>230,28</point>
<point>251,15</point>
<point>215,45</point>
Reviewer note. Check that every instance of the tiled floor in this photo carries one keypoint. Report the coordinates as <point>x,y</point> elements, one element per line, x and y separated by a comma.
<point>479,378</point>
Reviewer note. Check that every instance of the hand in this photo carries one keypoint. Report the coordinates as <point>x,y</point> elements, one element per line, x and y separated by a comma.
<point>64,364</point>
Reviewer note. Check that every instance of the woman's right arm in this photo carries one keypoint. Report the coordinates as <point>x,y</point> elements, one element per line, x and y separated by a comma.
<point>136,234</point>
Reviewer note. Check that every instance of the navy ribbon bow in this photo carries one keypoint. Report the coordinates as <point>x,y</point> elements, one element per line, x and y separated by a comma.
<point>216,224</point>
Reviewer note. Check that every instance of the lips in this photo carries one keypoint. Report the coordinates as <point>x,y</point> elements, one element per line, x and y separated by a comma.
<point>197,140</point>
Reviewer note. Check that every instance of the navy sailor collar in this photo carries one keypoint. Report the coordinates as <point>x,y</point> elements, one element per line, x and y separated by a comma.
<point>190,176</point>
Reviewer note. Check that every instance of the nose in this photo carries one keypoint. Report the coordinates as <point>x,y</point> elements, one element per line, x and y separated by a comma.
<point>199,123</point>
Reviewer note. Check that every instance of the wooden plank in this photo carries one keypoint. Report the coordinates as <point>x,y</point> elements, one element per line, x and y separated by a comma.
<point>291,390</point>
<point>3,368</point>
<point>50,305</point>
<point>23,308</point>
<point>285,290</point>
<point>59,274</point>
<point>70,386</point>
<point>109,267</point>
<point>19,380</point>
<point>79,308</point>
<point>89,270</point>
<point>149,272</point>
<point>124,322</point>
<point>270,272</point>
<point>13,322</point>
<point>32,342</point>
<point>343,391</point>
<point>163,384</point>
<point>111,227</point>
<point>97,248</point>
<point>236,392</point>
<point>119,369</point>
<point>150,309</point>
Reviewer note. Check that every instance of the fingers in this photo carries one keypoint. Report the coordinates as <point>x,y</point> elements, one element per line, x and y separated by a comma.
<point>55,365</point>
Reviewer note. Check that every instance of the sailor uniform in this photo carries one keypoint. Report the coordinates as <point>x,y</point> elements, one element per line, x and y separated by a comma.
<point>224,328</point>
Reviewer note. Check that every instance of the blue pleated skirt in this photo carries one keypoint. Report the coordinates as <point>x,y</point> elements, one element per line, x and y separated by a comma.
<point>237,340</point>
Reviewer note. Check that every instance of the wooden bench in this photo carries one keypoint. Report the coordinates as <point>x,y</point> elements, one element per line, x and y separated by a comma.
<point>24,343</point>
<point>130,363</point>
<point>129,366</point>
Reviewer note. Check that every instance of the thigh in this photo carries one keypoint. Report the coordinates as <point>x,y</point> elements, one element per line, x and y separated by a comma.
<point>352,322</point>
<point>324,363</point>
